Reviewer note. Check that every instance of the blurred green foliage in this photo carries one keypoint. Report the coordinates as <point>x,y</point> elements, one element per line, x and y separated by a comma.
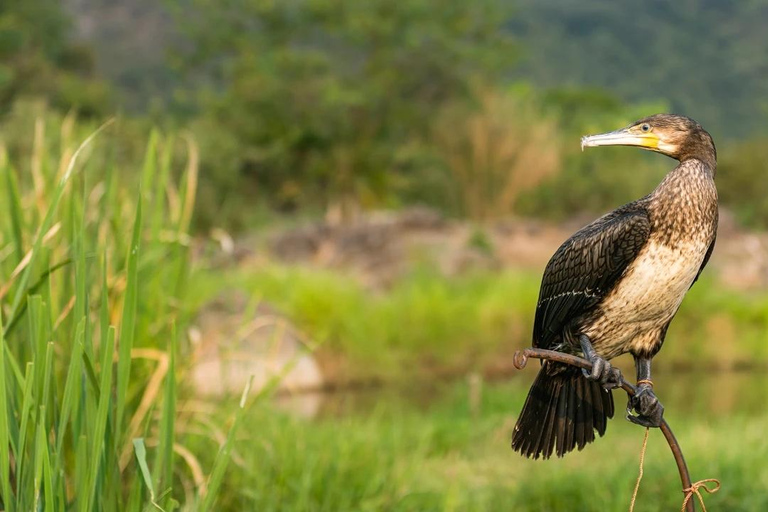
<point>742,180</point>
<point>37,58</point>
<point>321,102</point>
<point>426,449</point>
<point>332,107</point>
<point>428,322</point>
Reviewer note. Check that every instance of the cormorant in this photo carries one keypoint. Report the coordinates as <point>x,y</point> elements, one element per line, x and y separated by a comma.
<point>614,287</point>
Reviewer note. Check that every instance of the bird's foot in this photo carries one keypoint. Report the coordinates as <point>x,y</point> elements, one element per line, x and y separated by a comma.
<point>649,409</point>
<point>602,371</point>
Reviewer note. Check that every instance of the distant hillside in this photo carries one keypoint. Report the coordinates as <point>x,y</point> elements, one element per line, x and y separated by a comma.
<point>707,58</point>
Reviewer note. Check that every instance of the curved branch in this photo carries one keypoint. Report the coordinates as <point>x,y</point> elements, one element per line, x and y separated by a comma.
<point>521,359</point>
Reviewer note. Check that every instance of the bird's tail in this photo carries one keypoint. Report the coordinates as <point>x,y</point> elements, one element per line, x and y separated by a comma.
<point>562,412</point>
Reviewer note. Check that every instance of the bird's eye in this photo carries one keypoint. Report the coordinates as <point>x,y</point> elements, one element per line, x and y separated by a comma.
<point>645,127</point>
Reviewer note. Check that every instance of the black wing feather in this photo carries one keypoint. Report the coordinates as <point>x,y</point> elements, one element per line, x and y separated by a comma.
<point>706,260</point>
<point>585,268</point>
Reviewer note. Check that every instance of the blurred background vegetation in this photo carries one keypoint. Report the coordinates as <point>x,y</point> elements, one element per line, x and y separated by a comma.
<point>383,181</point>
<point>316,106</point>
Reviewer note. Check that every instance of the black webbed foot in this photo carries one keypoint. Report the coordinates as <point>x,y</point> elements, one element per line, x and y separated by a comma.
<point>649,409</point>
<point>604,372</point>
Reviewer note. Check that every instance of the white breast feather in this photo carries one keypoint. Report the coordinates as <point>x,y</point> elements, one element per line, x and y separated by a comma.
<point>656,282</point>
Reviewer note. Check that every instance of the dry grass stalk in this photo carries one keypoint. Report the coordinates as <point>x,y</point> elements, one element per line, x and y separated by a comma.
<point>193,166</point>
<point>36,165</point>
<point>496,151</point>
<point>151,392</point>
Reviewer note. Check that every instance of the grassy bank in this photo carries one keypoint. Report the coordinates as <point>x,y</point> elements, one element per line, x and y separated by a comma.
<point>425,453</point>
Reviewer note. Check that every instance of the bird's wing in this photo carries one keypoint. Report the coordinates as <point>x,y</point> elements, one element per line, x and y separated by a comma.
<point>585,268</point>
<point>706,259</point>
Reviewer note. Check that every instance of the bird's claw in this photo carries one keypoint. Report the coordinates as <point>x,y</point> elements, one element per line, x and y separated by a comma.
<point>604,372</point>
<point>649,409</point>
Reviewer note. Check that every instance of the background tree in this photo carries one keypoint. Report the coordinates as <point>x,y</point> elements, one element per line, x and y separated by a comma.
<point>38,59</point>
<point>321,98</point>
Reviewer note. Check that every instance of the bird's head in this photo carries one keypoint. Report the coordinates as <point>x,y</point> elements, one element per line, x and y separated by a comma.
<point>676,136</point>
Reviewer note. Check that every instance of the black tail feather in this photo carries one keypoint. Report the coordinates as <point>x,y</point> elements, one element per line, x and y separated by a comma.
<point>562,412</point>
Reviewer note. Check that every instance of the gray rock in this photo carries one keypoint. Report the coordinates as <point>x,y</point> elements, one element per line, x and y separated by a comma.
<point>232,345</point>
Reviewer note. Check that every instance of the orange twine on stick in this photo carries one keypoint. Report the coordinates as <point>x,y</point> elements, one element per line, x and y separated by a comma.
<point>689,492</point>
<point>694,489</point>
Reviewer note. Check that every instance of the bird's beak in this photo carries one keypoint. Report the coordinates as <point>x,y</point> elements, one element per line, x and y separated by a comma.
<point>623,137</point>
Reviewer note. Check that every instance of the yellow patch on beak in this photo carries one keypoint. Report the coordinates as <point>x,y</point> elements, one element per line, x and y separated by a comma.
<point>649,140</point>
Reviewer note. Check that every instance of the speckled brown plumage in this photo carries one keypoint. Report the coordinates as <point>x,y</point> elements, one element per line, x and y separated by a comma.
<point>662,240</point>
<point>619,281</point>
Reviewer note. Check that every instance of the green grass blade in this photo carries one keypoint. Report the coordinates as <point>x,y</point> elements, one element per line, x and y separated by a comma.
<point>71,389</point>
<point>26,408</point>
<point>104,310</point>
<point>43,466</point>
<point>160,213</point>
<point>48,375</point>
<point>36,338</point>
<point>151,189</point>
<point>137,492</point>
<point>128,325</point>
<point>135,498</point>
<point>81,274</point>
<point>41,446</point>
<point>90,373</point>
<point>97,440</point>
<point>141,457</point>
<point>74,374</point>
<point>47,475</point>
<point>225,453</point>
<point>44,279</point>
<point>46,224</point>
<point>5,485</point>
<point>164,454</point>
<point>82,473</point>
<point>190,190</point>
<point>150,165</point>
<point>15,211</point>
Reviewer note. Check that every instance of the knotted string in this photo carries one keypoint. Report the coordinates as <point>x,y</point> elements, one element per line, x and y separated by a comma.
<point>694,489</point>
<point>640,475</point>
<point>689,492</point>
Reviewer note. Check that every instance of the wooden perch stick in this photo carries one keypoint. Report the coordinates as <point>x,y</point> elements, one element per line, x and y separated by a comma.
<point>521,359</point>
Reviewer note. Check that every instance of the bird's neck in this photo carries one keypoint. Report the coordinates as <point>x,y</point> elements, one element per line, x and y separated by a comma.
<point>699,146</point>
<point>685,202</point>
<point>689,176</point>
<point>708,160</point>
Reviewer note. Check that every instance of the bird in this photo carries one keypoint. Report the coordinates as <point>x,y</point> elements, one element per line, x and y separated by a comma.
<point>614,287</point>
